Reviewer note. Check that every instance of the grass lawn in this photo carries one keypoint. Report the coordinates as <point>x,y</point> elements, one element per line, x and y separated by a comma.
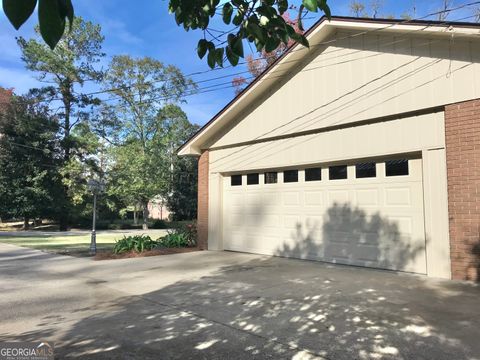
<point>71,243</point>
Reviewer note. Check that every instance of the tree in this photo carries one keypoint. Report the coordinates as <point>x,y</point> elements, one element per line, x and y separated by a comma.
<point>258,65</point>
<point>181,173</point>
<point>142,86</point>
<point>6,96</point>
<point>65,70</point>
<point>259,23</point>
<point>476,13</point>
<point>376,6</point>
<point>443,12</point>
<point>357,8</point>
<point>29,149</point>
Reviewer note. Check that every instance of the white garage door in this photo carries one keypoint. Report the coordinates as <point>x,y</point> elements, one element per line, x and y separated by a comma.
<point>368,213</point>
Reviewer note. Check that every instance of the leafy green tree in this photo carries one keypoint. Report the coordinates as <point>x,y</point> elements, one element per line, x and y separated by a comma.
<point>142,88</point>
<point>181,172</point>
<point>65,70</point>
<point>29,162</point>
<point>260,23</point>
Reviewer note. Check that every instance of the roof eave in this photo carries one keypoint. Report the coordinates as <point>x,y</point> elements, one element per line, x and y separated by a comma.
<point>195,144</point>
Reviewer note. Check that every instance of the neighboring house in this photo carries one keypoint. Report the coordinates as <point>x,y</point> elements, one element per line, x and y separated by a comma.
<point>363,150</point>
<point>158,210</point>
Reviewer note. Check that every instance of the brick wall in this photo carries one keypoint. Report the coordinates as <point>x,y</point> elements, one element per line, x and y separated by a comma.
<point>202,215</point>
<point>462,131</point>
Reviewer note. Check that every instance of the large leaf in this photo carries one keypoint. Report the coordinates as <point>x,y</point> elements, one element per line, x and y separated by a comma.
<point>232,58</point>
<point>66,11</point>
<point>227,13</point>
<point>202,48</point>
<point>52,25</point>
<point>18,11</point>
<point>310,5</point>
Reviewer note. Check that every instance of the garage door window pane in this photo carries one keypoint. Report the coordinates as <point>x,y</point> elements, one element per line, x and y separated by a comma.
<point>252,179</point>
<point>270,178</point>
<point>366,170</point>
<point>236,180</point>
<point>313,174</point>
<point>290,176</point>
<point>337,172</point>
<point>396,167</point>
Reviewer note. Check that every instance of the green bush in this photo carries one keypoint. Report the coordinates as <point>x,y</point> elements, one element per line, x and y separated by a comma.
<point>182,236</point>
<point>159,224</point>
<point>137,243</point>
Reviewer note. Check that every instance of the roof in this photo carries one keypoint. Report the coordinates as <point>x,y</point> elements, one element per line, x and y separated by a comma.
<point>316,36</point>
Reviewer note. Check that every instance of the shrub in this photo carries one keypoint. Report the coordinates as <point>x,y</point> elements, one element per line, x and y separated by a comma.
<point>159,224</point>
<point>182,236</point>
<point>137,243</point>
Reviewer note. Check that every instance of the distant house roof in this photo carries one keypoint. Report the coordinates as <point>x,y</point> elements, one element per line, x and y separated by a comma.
<point>317,36</point>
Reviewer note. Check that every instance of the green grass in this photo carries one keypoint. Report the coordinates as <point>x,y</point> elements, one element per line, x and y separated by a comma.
<point>72,244</point>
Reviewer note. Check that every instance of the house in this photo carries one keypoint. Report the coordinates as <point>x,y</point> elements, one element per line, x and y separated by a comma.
<point>362,150</point>
<point>157,209</point>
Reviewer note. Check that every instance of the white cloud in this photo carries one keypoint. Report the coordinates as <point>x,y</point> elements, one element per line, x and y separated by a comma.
<point>18,79</point>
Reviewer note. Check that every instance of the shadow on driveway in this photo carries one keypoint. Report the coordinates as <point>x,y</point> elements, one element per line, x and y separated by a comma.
<point>275,308</point>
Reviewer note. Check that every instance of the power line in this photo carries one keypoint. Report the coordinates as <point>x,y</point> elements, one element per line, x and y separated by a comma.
<point>228,85</point>
<point>290,50</point>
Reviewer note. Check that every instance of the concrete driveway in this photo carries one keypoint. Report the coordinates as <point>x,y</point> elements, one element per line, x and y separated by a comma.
<point>220,305</point>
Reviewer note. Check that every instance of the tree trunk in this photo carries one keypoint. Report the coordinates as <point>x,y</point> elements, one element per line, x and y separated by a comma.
<point>26,223</point>
<point>67,95</point>
<point>145,215</point>
<point>135,216</point>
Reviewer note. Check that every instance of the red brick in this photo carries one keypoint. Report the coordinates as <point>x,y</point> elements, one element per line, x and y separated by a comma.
<point>462,134</point>
<point>202,212</point>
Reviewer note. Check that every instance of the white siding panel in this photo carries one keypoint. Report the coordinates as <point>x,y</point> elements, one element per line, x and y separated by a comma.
<point>390,137</point>
<point>362,78</point>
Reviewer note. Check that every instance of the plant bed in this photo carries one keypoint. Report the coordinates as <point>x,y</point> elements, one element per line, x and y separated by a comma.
<point>108,255</point>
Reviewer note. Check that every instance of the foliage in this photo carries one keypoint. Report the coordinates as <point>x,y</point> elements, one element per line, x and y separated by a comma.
<point>159,224</point>
<point>52,16</point>
<point>259,23</point>
<point>65,70</point>
<point>29,180</point>
<point>147,91</point>
<point>181,175</point>
<point>182,236</point>
<point>258,65</point>
<point>182,200</point>
<point>137,243</point>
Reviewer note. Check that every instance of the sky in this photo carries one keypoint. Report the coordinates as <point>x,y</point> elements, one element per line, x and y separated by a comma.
<point>148,30</point>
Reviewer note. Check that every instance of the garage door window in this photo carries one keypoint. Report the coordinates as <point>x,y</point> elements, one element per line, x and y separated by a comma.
<point>236,180</point>
<point>290,176</point>
<point>313,174</point>
<point>365,170</point>
<point>396,167</point>
<point>337,172</point>
<point>252,179</point>
<point>271,178</point>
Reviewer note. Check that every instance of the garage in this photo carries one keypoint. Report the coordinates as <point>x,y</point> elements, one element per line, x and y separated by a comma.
<point>365,213</point>
<point>359,150</point>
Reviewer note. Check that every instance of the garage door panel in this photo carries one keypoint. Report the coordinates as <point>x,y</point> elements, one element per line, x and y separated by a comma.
<point>313,198</point>
<point>400,196</point>
<point>377,222</point>
<point>338,197</point>
<point>367,197</point>
<point>291,198</point>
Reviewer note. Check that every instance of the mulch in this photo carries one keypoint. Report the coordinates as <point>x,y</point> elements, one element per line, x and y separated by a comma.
<point>108,255</point>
